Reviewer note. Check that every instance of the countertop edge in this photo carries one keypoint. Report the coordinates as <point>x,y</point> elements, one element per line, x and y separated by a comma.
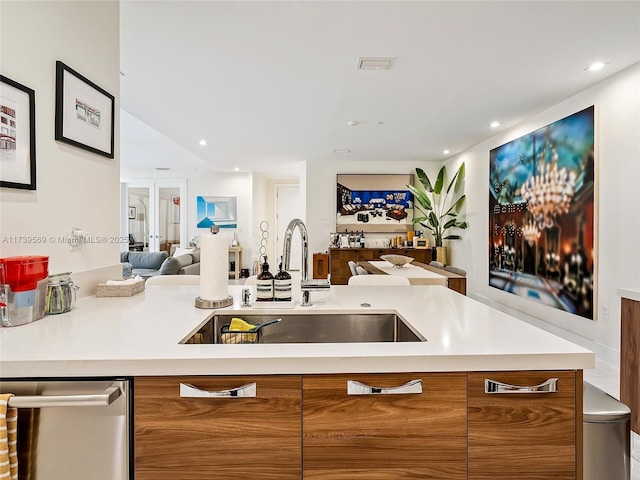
<point>297,365</point>
<point>628,293</point>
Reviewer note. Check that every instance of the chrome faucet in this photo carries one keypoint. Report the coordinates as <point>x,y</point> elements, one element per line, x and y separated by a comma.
<point>306,285</point>
<point>286,251</point>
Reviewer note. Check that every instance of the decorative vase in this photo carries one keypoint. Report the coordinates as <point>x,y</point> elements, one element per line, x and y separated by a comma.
<point>441,255</point>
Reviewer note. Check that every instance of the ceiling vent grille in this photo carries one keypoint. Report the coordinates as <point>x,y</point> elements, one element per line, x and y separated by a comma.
<point>375,63</point>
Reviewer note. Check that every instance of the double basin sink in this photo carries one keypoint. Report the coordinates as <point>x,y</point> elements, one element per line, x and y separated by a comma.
<point>310,328</point>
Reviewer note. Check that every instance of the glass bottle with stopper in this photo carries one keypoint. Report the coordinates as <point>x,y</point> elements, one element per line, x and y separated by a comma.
<point>282,285</point>
<point>264,283</point>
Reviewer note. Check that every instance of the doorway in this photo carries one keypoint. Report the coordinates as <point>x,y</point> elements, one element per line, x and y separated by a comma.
<point>153,214</point>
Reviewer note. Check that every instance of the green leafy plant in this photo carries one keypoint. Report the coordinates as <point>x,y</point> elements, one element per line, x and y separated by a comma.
<point>439,207</point>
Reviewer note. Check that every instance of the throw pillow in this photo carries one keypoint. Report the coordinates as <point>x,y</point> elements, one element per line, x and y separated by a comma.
<point>181,251</point>
<point>172,264</point>
<point>196,255</point>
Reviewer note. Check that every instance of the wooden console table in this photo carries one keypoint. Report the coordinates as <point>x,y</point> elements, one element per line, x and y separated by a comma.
<point>629,354</point>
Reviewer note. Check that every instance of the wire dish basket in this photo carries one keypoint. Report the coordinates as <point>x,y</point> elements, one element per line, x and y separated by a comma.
<point>243,336</point>
<point>236,336</point>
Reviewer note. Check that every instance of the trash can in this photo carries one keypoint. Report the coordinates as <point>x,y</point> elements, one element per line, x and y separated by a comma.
<point>606,436</point>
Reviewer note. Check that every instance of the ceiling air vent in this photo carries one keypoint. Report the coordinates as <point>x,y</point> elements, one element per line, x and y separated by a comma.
<point>375,63</point>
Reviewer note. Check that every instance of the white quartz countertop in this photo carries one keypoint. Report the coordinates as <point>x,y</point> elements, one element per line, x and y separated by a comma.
<point>141,335</point>
<point>629,294</point>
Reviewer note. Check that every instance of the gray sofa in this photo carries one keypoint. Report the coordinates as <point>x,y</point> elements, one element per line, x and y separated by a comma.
<point>149,264</point>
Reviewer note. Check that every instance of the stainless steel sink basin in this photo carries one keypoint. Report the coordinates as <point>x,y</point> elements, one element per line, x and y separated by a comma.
<point>312,328</point>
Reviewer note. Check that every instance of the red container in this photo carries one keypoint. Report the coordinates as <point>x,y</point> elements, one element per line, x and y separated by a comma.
<point>23,273</point>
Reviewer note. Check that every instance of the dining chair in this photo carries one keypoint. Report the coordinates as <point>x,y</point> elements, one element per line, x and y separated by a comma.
<point>173,280</point>
<point>352,267</point>
<point>378,280</point>
<point>456,270</point>
<point>361,270</point>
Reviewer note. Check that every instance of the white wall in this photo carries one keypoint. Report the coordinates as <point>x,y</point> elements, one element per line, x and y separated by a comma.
<point>75,188</point>
<point>239,185</point>
<point>617,102</point>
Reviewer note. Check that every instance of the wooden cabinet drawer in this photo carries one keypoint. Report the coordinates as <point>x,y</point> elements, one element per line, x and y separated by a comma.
<point>524,436</point>
<point>385,436</point>
<point>231,438</point>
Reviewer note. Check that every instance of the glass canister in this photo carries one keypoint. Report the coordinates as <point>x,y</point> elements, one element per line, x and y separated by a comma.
<point>61,294</point>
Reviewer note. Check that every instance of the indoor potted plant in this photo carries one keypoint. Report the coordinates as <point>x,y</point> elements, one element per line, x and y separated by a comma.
<point>439,207</point>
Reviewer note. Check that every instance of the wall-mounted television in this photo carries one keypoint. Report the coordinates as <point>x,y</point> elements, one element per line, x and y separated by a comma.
<point>374,203</point>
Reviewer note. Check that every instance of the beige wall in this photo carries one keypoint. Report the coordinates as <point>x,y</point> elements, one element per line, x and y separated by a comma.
<point>75,188</point>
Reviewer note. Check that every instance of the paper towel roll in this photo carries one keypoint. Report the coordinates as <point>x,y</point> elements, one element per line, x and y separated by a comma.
<point>214,269</point>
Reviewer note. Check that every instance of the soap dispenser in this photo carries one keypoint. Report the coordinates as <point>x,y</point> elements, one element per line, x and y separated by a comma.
<point>282,285</point>
<point>264,283</point>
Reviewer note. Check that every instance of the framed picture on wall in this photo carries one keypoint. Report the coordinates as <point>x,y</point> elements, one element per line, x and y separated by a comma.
<point>542,233</point>
<point>374,203</point>
<point>84,112</point>
<point>17,135</point>
<point>220,211</point>
<point>132,213</point>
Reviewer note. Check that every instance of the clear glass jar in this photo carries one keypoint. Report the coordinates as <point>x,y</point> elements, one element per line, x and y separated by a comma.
<point>61,294</point>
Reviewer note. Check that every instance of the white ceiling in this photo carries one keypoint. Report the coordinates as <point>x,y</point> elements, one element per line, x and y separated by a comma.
<point>269,83</point>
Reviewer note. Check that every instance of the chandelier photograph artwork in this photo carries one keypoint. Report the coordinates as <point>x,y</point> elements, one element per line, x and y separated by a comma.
<point>541,215</point>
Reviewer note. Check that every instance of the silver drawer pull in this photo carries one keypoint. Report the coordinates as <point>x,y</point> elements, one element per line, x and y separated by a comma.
<point>103,399</point>
<point>491,386</point>
<point>189,391</point>
<point>358,388</point>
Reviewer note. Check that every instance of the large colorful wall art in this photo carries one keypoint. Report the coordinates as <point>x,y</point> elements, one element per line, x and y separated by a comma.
<point>374,203</point>
<point>541,215</point>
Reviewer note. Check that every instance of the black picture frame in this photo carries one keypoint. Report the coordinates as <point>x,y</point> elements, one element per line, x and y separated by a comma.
<point>18,152</point>
<point>132,213</point>
<point>85,112</point>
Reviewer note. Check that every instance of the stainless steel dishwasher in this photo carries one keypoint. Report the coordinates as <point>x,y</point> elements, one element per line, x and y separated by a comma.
<point>72,429</point>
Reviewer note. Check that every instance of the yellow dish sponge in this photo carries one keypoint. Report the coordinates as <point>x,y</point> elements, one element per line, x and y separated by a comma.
<point>239,325</point>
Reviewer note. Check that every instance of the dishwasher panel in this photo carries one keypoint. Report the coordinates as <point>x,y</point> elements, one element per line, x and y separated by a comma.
<point>72,429</point>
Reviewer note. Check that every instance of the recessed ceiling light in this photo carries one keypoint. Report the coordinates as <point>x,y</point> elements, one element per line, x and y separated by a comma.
<point>446,152</point>
<point>237,169</point>
<point>352,123</point>
<point>203,142</point>
<point>163,169</point>
<point>595,66</point>
<point>341,151</point>
<point>375,63</point>
<point>495,124</point>
<point>380,122</point>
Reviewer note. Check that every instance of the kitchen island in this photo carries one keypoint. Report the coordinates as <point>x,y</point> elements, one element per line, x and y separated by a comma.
<point>444,427</point>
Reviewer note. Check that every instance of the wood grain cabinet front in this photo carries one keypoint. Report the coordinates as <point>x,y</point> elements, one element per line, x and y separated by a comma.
<point>180,435</point>
<point>392,430</point>
<point>525,436</point>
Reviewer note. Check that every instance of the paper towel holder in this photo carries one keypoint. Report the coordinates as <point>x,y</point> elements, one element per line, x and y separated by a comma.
<point>223,302</point>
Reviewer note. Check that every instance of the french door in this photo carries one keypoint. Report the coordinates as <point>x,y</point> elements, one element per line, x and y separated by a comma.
<point>153,214</point>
